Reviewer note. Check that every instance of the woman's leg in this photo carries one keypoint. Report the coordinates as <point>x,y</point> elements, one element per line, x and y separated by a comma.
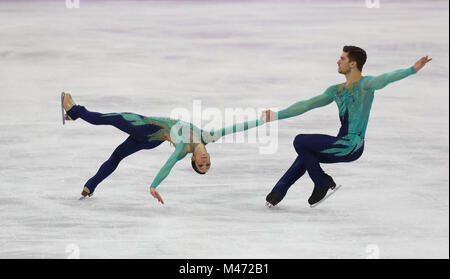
<point>130,123</point>
<point>96,118</point>
<point>128,147</point>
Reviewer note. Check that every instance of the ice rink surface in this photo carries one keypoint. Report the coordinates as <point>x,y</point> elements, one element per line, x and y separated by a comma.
<point>150,57</point>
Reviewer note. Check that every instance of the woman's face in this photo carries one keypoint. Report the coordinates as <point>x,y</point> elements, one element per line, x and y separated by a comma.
<point>202,162</point>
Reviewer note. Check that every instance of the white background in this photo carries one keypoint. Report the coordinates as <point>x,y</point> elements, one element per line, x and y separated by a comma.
<point>150,57</point>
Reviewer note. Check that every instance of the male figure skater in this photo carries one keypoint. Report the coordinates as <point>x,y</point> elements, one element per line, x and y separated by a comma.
<point>354,100</point>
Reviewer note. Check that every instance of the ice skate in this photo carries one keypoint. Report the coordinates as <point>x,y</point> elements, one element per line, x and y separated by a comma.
<point>319,194</point>
<point>86,193</point>
<point>273,198</point>
<point>66,104</point>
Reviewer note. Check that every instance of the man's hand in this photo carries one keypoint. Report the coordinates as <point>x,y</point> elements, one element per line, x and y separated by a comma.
<point>156,195</point>
<point>421,62</point>
<point>268,115</point>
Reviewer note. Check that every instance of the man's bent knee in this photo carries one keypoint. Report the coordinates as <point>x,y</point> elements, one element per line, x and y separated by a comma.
<point>301,141</point>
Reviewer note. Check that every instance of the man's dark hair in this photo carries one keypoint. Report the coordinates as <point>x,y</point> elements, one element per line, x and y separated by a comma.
<point>356,54</point>
<point>195,167</point>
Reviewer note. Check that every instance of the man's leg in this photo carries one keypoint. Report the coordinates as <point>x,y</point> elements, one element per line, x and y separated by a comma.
<point>300,166</point>
<point>290,177</point>
<point>128,147</point>
<point>286,181</point>
<point>309,148</point>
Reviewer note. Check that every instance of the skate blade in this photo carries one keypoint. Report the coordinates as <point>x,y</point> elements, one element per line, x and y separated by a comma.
<point>62,108</point>
<point>326,197</point>
<point>85,195</point>
<point>269,205</point>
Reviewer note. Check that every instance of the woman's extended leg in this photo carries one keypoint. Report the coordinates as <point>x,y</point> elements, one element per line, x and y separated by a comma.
<point>130,123</point>
<point>128,147</point>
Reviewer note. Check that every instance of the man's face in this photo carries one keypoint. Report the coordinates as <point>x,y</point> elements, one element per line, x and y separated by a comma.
<point>344,64</point>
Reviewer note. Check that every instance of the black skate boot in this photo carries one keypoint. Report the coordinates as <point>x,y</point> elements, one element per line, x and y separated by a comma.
<point>273,198</point>
<point>320,192</point>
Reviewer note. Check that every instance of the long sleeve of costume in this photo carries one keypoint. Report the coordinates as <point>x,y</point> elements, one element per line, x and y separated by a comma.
<point>306,105</point>
<point>239,127</point>
<point>173,159</point>
<point>379,82</point>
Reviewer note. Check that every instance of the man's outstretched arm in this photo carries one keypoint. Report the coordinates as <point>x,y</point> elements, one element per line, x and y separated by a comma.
<point>379,82</point>
<point>302,106</point>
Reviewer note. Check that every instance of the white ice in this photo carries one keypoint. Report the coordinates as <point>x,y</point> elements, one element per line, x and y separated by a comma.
<point>151,57</point>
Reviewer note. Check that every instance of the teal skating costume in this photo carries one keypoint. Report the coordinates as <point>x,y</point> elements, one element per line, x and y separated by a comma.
<point>148,133</point>
<point>354,104</point>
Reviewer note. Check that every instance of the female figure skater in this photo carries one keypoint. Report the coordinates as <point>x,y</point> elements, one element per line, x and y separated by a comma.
<point>148,133</point>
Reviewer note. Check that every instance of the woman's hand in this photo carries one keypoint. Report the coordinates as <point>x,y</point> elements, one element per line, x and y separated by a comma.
<point>156,195</point>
